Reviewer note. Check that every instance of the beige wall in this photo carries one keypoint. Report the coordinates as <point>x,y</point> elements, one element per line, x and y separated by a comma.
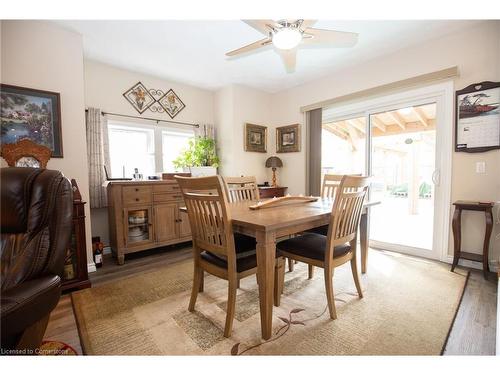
<point>42,56</point>
<point>475,51</point>
<point>104,88</point>
<point>105,85</point>
<point>236,105</point>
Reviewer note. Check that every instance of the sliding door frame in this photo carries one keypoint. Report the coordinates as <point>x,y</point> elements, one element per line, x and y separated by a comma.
<point>443,95</point>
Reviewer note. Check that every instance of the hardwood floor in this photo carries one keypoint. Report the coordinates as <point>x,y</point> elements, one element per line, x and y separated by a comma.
<point>473,332</point>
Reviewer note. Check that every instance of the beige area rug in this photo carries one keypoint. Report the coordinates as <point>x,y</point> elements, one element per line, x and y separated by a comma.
<point>408,309</point>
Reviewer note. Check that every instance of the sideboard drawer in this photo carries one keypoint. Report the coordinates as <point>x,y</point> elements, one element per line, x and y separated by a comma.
<point>166,188</point>
<point>167,197</point>
<point>136,194</point>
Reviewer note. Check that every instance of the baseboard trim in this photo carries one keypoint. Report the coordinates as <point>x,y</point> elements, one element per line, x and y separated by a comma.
<point>494,265</point>
<point>471,264</point>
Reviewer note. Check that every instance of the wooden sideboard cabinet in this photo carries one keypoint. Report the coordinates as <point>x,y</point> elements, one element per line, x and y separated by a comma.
<point>145,214</point>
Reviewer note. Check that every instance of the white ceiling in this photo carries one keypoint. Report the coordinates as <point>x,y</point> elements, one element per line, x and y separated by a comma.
<point>192,52</point>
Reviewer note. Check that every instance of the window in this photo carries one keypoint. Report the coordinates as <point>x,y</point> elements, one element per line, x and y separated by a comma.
<point>173,143</point>
<point>148,148</point>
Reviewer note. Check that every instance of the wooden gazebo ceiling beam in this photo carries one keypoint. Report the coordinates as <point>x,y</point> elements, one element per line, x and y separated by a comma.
<point>410,127</point>
<point>353,136</point>
<point>358,124</point>
<point>378,123</point>
<point>421,116</point>
<point>339,132</point>
<point>398,119</point>
<point>341,129</point>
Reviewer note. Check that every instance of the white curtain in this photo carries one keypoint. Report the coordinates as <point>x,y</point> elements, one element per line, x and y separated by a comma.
<point>205,131</point>
<point>98,156</point>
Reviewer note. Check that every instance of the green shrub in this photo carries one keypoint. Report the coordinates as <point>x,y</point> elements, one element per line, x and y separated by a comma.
<point>200,152</point>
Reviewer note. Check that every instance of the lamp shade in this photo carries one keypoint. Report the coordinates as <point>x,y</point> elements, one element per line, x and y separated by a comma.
<point>274,162</point>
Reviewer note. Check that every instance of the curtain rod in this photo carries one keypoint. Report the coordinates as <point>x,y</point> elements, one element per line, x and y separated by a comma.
<point>149,119</point>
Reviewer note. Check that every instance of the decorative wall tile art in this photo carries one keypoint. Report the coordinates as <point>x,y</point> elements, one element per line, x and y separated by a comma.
<point>139,96</point>
<point>155,100</point>
<point>157,95</point>
<point>171,103</point>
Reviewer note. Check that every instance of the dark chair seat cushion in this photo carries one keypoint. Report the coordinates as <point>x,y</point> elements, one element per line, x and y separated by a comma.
<point>245,254</point>
<point>312,246</point>
<point>244,261</point>
<point>244,243</point>
<point>323,230</point>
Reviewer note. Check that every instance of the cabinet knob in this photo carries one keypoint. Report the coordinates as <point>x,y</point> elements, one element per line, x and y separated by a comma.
<point>136,189</point>
<point>137,199</point>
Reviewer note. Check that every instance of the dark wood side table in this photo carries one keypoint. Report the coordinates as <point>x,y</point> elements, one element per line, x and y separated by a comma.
<point>271,192</point>
<point>75,274</point>
<point>486,207</point>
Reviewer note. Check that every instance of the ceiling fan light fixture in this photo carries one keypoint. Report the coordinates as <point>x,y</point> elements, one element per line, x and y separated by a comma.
<point>287,38</point>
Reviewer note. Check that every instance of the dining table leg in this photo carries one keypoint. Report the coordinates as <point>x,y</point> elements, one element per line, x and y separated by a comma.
<point>363,234</point>
<point>266,258</point>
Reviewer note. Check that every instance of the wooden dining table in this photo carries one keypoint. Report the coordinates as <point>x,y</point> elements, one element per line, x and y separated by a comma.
<point>269,224</point>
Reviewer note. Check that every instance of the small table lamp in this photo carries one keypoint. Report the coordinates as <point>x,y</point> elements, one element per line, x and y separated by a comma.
<point>274,162</point>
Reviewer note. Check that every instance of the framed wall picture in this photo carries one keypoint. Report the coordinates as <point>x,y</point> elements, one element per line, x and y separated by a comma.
<point>477,117</point>
<point>288,138</point>
<point>139,96</point>
<point>171,103</point>
<point>255,138</point>
<point>31,114</point>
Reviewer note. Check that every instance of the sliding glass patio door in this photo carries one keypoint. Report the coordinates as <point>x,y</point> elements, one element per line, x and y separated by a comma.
<point>403,162</point>
<point>402,142</point>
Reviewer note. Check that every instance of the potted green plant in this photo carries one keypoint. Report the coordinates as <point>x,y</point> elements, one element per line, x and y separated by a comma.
<point>199,158</point>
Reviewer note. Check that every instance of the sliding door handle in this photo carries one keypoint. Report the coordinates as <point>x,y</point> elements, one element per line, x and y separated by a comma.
<point>436,177</point>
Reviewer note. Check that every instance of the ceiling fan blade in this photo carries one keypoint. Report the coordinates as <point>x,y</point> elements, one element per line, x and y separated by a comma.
<point>330,37</point>
<point>250,47</point>
<point>289,57</point>
<point>307,23</point>
<point>262,26</point>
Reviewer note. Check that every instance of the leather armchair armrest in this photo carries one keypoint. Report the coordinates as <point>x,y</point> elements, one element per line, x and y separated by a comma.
<point>28,302</point>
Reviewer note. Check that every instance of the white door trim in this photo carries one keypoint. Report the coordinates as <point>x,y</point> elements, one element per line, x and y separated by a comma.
<point>443,95</point>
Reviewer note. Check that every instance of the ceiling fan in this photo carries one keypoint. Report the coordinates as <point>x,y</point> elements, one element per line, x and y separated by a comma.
<point>287,35</point>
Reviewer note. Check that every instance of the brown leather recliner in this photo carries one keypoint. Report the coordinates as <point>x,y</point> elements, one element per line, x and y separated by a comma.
<point>36,207</point>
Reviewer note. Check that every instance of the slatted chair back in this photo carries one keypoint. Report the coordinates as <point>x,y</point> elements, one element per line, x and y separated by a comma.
<point>209,217</point>
<point>242,188</point>
<point>346,211</point>
<point>331,183</point>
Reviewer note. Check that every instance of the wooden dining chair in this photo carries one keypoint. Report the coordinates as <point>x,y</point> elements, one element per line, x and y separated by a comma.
<point>329,188</point>
<point>242,188</point>
<point>339,246</point>
<point>245,188</point>
<point>215,247</point>
<point>330,185</point>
